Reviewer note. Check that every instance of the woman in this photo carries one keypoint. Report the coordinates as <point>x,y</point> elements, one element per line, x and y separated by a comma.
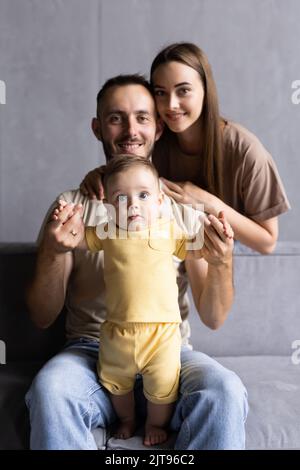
<point>204,158</point>
<point>209,159</point>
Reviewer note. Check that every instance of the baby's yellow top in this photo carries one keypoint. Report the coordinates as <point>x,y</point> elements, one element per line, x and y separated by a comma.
<point>139,272</point>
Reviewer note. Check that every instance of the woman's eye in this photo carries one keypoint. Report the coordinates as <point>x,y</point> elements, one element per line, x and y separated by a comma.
<point>144,195</point>
<point>184,91</point>
<point>122,198</point>
<point>158,93</point>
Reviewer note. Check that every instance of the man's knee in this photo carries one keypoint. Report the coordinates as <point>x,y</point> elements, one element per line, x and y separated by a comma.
<point>230,389</point>
<point>45,387</point>
<point>207,378</point>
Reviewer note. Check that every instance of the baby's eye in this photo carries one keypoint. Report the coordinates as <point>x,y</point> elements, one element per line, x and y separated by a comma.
<point>144,195</point>
<point>121,198</point>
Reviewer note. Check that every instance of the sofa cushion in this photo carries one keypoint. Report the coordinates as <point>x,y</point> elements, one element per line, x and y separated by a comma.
<point>136,443</point>
<point>273,385</point>
<point>23,340</point>
<point>265,316</point>
<point>15,380</point>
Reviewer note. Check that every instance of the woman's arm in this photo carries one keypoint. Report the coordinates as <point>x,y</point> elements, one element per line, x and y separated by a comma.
<point>260,236</point>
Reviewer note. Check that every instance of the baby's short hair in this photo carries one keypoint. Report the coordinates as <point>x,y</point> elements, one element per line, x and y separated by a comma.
<point>121,163</point>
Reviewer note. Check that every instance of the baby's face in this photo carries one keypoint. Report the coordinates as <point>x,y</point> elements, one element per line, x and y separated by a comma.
<point>135,197</point>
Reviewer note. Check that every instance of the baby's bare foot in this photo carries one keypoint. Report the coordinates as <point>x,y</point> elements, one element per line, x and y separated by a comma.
<point>125,430</point>
<point>154,435</point>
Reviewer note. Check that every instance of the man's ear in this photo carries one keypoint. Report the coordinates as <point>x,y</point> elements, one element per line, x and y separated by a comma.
<point>96,128</point>
<point>160,125</point>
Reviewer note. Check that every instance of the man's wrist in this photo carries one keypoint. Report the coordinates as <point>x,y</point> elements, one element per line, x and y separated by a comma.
<point>50,253</point>
<point>223,263</point>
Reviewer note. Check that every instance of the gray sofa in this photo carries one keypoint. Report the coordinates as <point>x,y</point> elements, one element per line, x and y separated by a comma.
<point>256,342</point>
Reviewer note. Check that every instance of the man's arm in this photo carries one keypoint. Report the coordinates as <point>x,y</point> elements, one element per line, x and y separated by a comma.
<point>211,277</point>
<point>47,291</point>
<point>212,290</point>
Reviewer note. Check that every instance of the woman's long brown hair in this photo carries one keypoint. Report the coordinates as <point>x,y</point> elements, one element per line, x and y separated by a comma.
<point>192,56</point>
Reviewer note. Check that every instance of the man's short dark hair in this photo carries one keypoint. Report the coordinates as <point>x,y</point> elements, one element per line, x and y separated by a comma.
<point>122,80</point>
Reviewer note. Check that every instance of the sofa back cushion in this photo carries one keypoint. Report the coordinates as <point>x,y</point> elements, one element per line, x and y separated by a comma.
<point>23,341</point>
<point>265,318</point>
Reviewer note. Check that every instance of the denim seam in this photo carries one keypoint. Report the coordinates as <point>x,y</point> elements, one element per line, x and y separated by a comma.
<point>90,437</point>
<point>186,439</point>
<point>92,408</point>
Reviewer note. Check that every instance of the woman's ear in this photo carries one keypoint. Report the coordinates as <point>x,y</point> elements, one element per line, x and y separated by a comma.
<point>96,128</point>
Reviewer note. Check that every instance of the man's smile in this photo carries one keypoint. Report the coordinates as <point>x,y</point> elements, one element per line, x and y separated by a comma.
<point>130,147</point>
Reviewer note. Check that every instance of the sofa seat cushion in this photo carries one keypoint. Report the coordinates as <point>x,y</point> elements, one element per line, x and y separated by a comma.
<point>136,443</point>
<point>15,380</point>
<point>273,384</point>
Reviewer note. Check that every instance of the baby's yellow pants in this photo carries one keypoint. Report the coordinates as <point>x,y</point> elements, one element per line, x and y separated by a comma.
<point>149,349</point>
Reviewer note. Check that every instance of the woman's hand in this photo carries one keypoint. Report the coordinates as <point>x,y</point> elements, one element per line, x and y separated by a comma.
<point>91,185</point>
<point>188,193</point>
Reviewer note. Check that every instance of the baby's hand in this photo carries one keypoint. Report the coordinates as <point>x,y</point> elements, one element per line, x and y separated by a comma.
<point>61,205</point>
<point>227,229</point>
<point>65,228</point>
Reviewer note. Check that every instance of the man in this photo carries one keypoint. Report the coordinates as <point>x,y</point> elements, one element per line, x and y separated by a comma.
<point>65,400</point>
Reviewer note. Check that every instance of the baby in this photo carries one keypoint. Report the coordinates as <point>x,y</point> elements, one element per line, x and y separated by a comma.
<point>141,333</point>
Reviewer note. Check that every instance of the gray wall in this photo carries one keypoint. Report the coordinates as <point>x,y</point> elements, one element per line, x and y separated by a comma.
<point>55,54</point>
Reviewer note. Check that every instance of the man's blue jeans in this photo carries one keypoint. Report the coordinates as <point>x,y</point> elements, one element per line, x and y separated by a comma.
<point>66,402</point>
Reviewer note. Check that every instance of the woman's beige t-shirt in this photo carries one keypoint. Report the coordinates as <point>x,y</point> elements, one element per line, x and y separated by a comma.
<point>252,185</point>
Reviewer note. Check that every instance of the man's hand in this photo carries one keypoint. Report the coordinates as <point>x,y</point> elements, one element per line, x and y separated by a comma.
<point>65,229</point>
<point>218,240</point>
<point>91,185</point>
